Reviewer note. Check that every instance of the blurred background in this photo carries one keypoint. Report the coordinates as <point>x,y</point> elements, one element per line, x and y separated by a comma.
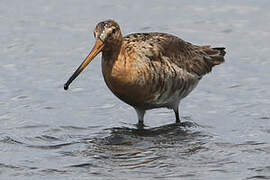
<point>87,133</point>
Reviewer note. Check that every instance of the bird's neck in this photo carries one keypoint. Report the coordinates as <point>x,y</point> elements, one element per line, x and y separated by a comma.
<point>112,50</point>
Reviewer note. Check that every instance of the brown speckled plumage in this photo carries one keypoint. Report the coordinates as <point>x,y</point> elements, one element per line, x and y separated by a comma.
<point>150,70</point>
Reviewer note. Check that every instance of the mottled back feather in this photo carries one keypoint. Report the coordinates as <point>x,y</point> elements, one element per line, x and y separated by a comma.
<point>194,59</point>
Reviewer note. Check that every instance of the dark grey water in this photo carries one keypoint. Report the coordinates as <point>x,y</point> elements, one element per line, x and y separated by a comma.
<point>87,133</point>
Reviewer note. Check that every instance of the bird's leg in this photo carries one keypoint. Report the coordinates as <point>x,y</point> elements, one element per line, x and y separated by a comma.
<point>176,112</point>
<point>140,114</point>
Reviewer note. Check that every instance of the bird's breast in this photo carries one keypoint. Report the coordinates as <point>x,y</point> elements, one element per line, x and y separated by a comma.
<point>125,80</point>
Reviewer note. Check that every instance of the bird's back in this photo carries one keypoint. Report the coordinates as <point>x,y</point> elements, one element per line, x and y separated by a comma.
<point>194,59</point>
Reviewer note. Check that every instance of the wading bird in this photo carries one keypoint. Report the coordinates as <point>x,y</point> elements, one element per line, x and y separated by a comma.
<point>149,70</point>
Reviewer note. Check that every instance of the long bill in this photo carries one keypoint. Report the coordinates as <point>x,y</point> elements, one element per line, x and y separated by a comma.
<point>94,52</point>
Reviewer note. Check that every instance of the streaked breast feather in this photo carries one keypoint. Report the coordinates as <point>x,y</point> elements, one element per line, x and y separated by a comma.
<point>168,82</point>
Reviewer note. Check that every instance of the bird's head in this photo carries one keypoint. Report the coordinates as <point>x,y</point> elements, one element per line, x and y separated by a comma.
<point>108,35</point>
<point>108,32</point>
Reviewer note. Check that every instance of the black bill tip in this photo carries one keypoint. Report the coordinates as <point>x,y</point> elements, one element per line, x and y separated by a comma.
<point>66,86</point>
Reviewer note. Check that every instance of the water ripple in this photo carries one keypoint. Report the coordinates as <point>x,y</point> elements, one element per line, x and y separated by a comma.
<point>259,177</point>
<point>9,140</point>
<point>54,146</point>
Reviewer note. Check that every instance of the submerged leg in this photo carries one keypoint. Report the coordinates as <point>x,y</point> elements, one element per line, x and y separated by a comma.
<point>176,112</point>
<point>140,114</point>
<point>178,121</point>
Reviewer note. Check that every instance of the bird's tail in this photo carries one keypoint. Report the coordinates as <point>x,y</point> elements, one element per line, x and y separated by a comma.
<point>209,57</point>
<point>213,57</point>
<point>218,57</point>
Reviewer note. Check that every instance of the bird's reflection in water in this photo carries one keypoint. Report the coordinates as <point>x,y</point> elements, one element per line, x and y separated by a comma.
<point>162,134</point>
<point>133,148</point>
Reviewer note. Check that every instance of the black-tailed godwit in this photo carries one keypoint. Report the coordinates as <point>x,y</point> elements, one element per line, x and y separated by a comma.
<point>149,70</point>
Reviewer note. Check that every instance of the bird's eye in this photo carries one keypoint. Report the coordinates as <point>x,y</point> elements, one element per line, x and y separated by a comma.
<point>113,31</point>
